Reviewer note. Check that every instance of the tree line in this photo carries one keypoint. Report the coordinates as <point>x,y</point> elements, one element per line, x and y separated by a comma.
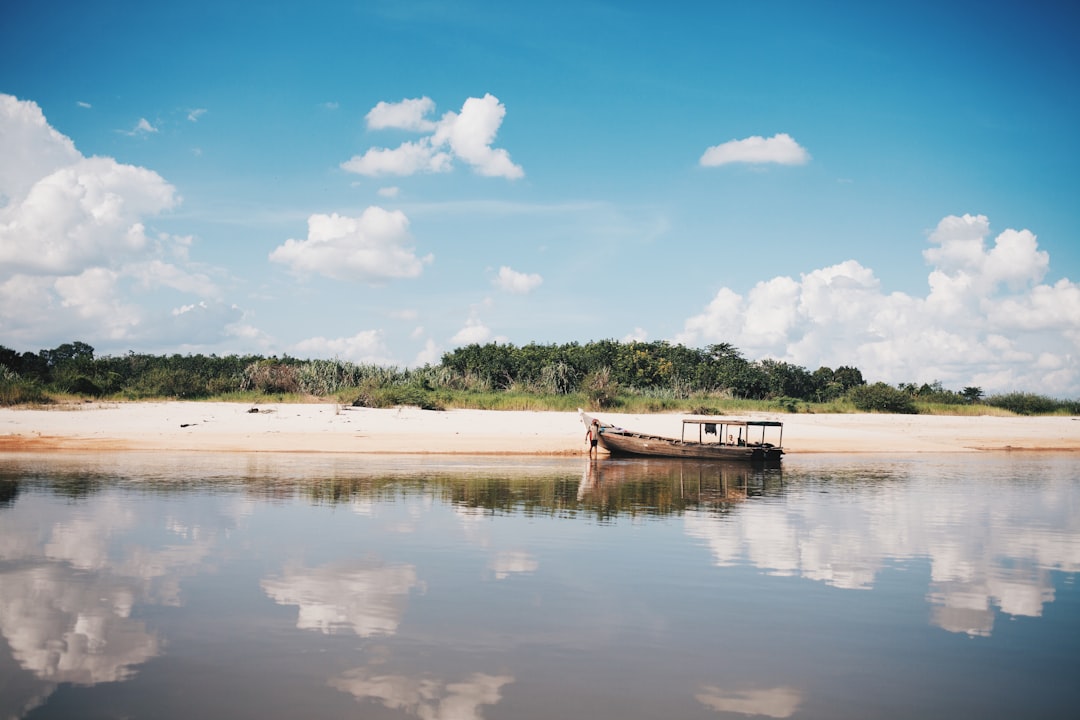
<point>601,371</point>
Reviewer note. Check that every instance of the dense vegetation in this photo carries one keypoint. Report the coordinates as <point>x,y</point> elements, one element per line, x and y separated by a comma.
<point>650,376</point>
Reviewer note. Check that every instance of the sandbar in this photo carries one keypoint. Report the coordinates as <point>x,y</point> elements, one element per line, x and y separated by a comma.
<point>325,427</point>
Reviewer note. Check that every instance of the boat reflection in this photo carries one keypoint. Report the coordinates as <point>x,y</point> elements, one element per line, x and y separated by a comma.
<point>604,487</point>
<point>664,486</point>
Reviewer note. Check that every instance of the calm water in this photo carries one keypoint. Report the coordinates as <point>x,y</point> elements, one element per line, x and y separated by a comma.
<point>181,586</point>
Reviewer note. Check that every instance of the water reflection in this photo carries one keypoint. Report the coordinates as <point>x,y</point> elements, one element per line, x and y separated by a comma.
<point>991,540</point>
<point>427,698</point>
<point>365,597</point>
<point>778,702</point>
<point>68,629</point>
<point>469,588</point>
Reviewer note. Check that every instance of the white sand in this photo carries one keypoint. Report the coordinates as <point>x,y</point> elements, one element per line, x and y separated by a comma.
<point>232,427</point>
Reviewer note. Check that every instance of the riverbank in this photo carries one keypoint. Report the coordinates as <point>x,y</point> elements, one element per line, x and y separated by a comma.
<point>236,427</point>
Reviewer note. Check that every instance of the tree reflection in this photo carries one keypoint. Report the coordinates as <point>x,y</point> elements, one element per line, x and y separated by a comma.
<point>604,489</point>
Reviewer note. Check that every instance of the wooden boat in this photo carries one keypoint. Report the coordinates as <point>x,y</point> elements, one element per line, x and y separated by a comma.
<point>735,440</point>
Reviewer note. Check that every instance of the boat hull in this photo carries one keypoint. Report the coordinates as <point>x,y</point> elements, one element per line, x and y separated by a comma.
<point>625,443</point>
<point>635,445</point>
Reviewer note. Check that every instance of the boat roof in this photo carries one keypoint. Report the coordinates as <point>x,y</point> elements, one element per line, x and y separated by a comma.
<point>731,421</point>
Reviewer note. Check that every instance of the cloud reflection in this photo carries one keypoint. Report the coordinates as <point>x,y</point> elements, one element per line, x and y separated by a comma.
<point>65,629</point>
<point>512,561</point>
<point>70,580</point>
<point>778,702</point>
<point>982,555</point>
<point>366,597</point>
<point>426,698</point>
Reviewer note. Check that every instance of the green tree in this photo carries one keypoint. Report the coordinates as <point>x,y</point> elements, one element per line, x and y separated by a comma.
<point>972,394</point>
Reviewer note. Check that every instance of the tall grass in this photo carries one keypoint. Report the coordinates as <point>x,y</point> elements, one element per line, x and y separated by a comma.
<point>16,391</point>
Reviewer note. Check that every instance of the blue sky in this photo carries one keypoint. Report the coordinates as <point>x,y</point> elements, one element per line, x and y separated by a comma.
<point>834,183</point>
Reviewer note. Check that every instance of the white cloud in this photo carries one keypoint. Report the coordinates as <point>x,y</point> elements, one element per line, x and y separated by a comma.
<point>83,104</point>
<point>87,213</point>
<point>143,127</point>
<point>75,250</point>
<point>370,248</point>
<point>407,159</point>
<point>93,295</point>
<point>366,347</point>
<point>987,320</point>
<point>638,335</point>
<point>195,114</point>
<point>430,355</point>
<point>389,192</point>
<point>471,133</point>
<point>409,114</point>
<point>465,136</point>
<point>474,331</point>
<point>156,273</point>
<point>780,149</point>
<point>30,147</point>
<point>515,282</point>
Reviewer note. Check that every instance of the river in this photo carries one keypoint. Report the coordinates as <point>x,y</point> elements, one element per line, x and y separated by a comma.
<point>328,586</point>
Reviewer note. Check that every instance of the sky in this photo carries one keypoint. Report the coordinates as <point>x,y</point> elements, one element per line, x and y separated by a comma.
<point>890,187</point>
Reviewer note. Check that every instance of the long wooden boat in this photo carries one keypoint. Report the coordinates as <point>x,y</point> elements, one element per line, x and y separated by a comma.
<point>735,440</point>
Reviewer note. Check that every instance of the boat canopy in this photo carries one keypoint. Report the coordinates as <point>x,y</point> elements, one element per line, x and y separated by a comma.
<point>726,428</point>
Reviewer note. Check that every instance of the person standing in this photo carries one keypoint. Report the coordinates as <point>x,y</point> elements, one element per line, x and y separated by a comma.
<point>593,436</point>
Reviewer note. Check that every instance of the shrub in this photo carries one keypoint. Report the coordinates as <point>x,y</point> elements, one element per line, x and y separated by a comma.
<point>270,377</point>
<point>373,395</point>
<point>163,382</point>
<point>83,385</point>
<point>16,391</point>
<point>1025,403</point>
<point>601,390</point>
<point>880,397</point>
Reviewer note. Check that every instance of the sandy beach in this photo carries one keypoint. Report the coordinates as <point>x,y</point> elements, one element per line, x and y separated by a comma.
<point>236,427</point>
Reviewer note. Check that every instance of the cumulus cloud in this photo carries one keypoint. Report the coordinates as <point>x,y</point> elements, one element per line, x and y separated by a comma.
<point>87,213</point>
<point>409,114</point>
<point>408,158</point>
<point>987,319</point>
<point>371,248</point>
<point>467,136</point>
<point>475,331</point>
<point>365,347</point>
<point>77,258</point>
<point>780,149</point>
<point>30,147</point>
<point>430,355</point>
<point>516,282</point>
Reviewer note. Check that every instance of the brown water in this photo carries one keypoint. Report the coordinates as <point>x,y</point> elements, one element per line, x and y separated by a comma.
<point>261,586</point>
